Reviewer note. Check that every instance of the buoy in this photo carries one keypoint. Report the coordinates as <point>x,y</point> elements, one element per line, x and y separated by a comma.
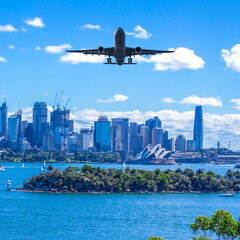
<point>9,186</point>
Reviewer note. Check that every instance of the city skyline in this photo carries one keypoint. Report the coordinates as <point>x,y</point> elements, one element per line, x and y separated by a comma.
<point>32,54</point>
<point>185,125</point>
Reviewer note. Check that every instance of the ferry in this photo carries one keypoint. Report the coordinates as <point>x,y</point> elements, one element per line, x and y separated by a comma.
<point>2,168</point>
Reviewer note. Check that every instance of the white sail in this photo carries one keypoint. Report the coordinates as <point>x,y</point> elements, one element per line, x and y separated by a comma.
<point>124,165</point>
<point>23,165</point>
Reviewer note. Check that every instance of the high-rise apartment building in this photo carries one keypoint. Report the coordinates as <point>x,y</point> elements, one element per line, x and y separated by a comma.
<point>133,132</point>
<point>40,123</point>
<point>3,121</point>
<point>102,141</point>
<point>144,131</point>
<point>181,144</point>
<point>171,144</point>
<point>198,128</point>
<point>137,144</point>
<point>153,123</point>
<point>165,140</point>
<point>124,129</point>
<point>157,136</point>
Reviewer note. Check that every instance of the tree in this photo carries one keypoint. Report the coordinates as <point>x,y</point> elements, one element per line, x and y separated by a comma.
<point>202,223</point>
<point>155,238</point>
<point>50,168</point>
<point>221,223</point>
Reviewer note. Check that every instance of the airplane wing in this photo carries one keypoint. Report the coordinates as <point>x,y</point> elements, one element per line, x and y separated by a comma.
<point>103,51</point>
<point>139,51</point>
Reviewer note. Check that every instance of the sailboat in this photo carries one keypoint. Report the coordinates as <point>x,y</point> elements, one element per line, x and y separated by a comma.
<point>227,194</point>
<point>2,168</point>
<point>124,165</point>
<point>43,167</point>
<point>23,165</point>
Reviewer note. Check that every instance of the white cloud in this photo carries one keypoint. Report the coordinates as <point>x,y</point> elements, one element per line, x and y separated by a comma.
<point>2,59</point>
<point>182,58</point>
<point>232,57</point>
<point>11,47</point>
<point>45,94</point>
<point>23,29</point>
<point>139,32</point>
<point>57,49</point>
<point>237,103</point>
<point>168,100</point>
<point>90,26</point>
<point>38,48</point>
<point>7,28</point>
<point>2,96</point>
<point>76,58</point>
<point>75,108</point>
<point>115,98</point>
<point>35,22</point>
<point>209,101</point>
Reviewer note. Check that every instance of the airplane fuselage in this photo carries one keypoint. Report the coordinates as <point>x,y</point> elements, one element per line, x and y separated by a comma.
<point>119,46</point>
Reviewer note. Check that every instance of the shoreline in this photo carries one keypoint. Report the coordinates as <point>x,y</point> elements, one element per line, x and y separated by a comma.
<point>103,192</point>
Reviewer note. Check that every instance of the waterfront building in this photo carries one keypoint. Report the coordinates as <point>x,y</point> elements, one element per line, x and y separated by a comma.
<point>157,136</point>
<point>40,123</point>
<point>124,129</point>
<point>144,131</point>
<point>198,128</point>
<point>24,127</point>
<point>87,140</point>
<point>152,123</point>
<point>116,138</point>
<point>23,144</point>
<point>171,144</point>
<point>190,145</point>
<point>137,144</point>
<point>165,140</point>
<point>181,144</point>
<point>133,132</point>
<point>102,141</point>
<point>14,126</point>
<point>3,121</point>
<point>48,142</point>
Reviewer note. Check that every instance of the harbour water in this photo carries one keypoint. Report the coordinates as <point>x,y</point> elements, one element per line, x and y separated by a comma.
<point>25,215</point>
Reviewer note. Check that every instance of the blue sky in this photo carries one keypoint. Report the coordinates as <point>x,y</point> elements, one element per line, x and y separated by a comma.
<point>205,27</point>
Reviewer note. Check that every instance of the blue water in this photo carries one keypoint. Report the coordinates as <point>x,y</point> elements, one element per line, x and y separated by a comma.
<point>25,215</point>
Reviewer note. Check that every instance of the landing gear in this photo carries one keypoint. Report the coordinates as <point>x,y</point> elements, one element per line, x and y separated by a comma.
<point>109,60</point>
<point>129,60</point>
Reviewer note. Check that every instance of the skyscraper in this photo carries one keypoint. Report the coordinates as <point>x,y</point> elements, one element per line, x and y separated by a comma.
<point>144,132</point>
<point>165,140</point>
<point>102,141</point>
<point>198,128</point>
<point>124,125</point>
<point>133,133</point>
<point>39,122</point>
<point>137,144</point>
<point>3,121</point>
<point>157,136</point>
<point>14,126</point>
<point>181,143</point>
<point>153,123</point>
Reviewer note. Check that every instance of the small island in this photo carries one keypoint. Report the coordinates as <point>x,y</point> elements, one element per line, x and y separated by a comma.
<point>98,180</point>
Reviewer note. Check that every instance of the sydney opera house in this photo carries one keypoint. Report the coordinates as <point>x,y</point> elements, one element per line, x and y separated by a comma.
<point>156,155</point>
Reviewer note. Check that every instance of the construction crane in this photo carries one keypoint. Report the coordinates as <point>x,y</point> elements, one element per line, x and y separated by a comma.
<point>55,101</point>
<point>66,103</point>
<point>60,98</point>
<point>229,145</point>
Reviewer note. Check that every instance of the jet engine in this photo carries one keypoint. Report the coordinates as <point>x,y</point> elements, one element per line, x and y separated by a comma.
<point>100,49</point>
<point>138,50</point>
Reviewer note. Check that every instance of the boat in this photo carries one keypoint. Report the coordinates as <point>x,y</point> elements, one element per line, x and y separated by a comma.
<point>2,168</point>
<point>227,194</point>
<point>23,165</point>
<point>9,186</point>
<point>124,165</point>
<point>230,194</point>
<point>237,166</point>
<point>43,167</point>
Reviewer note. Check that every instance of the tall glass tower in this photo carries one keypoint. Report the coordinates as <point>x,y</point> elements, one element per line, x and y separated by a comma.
<point>198,128</point>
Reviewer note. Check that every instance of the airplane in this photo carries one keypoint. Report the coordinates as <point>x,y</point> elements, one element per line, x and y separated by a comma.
<point>119,51</point>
